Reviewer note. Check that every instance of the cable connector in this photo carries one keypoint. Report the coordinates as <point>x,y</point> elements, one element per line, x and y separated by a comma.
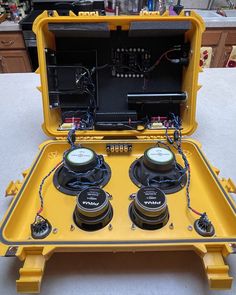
<point>41,227</point>
<point>71,137</point>
<point>204,227</point>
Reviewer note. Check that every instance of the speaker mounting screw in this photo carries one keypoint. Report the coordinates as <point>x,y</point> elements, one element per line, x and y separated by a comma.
<point>55,231</point>
<point>133,226</point>
<point>132,196</point>
<point>171,226</point>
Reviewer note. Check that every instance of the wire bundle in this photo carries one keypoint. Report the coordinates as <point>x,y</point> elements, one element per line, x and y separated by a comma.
<point>177,144</point>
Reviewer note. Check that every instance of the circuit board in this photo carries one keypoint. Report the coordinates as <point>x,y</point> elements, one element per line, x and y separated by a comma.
<point>130,62</point>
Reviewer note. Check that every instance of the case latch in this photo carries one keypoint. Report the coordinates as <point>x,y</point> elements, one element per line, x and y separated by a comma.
<point>216,270</point>
<point>229,185</point>
<point>31,274</point>
<point>13,188</point>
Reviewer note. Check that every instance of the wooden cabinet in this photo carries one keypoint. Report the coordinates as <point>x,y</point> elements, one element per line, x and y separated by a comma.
<point>225,56</point>
<point>13,55</point>
<point>14,61</point>
<point>221,41</point>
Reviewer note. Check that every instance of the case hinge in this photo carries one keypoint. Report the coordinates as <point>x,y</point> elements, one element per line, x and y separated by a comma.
<point>149,13</point>
<point>82,138</point>
<point>88,13</point>
<point>151,137</point>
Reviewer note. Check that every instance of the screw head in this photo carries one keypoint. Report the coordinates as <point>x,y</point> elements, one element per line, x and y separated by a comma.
<point>171,226</point>
<point>110,226</point>
<point>132,196</point>
<point>55,231</point>
<point>109,196</point>
<point>133,226</point>
<point>72,227</point>
<point>190,228</point>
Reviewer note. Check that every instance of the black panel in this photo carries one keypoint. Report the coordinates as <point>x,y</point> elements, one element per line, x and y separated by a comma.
<point>114,81</point>
<point>85,30</point>
<point>158,28</point>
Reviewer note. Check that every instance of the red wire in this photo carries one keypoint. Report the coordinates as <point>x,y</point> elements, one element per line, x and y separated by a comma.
<point>40,210</point>
<point>195,211</point>
<point>164,55</point>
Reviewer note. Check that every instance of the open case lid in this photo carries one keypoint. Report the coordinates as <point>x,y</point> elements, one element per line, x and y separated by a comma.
<point>165,48</point>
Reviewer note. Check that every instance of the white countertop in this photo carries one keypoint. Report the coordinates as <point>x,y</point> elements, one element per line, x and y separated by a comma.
<point>9,26</point>
<point>108,274</point>
<point>214,20</point>
<point>211,19</point>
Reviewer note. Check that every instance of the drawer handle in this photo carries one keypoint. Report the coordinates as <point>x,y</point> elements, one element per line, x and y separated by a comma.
<point>7,43</point>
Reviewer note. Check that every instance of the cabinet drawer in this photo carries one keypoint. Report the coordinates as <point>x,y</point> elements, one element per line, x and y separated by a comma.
<point>231,38</point>
<point>11,41</point>
<point>14,61</point>
<point>211,38</point>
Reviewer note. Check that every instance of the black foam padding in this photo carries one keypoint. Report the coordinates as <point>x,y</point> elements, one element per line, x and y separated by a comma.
<point>158,28</point>
<point>85,30</point>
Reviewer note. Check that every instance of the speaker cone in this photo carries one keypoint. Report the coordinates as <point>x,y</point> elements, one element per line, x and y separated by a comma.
<point>158,168</point>
<point>81,168</point>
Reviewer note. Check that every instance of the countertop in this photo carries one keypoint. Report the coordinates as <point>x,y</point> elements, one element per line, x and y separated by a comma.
<point>9,26</point>
<point>214,20</point>
<point>211,19</point>
<point>123,273</point>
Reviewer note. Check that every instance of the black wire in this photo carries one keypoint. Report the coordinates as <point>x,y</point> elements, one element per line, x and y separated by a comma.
<point>41,188</point>
<point>178,146</point>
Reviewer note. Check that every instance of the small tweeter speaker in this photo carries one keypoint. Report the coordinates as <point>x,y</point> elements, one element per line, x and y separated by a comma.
<point>148,209</point>
<point>80,159</point>
<point>93,210</point>
<point>158,159</point>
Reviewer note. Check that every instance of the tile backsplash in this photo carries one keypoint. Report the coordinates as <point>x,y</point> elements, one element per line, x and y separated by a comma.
<point>202,4</point>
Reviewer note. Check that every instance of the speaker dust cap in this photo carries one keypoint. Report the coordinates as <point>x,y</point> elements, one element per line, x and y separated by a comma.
<point>93,209</point>
<point>150,201</point>
<point>159,159</point>
<point>80,159</point>
<point>149,209</point>
<point>92,202</point>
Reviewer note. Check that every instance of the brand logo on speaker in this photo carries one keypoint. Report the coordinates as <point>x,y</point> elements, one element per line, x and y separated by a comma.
<point>152,202</point>
<point>90,203</point>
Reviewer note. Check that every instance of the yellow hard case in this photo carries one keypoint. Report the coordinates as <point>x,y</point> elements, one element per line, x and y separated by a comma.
<point>208,192</point>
